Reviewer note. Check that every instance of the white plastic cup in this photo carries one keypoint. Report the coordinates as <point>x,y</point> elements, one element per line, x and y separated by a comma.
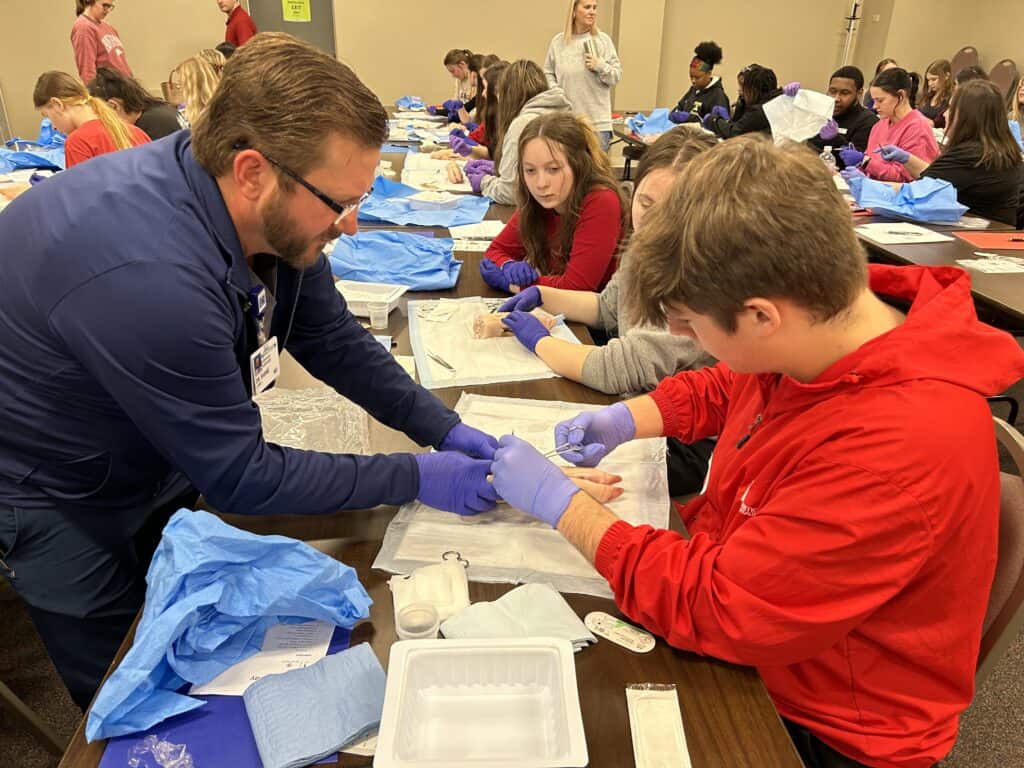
<point>378,311</point>
<point>417,621</point>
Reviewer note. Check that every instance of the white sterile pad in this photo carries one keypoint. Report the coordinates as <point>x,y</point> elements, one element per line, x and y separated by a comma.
<point>433,201</point>
<point>900,233</point>
<point>619,632</point>
<point>444,585</point>
<point>798,118</point>
<point>509,546</point>
<point>656,725</point>
<point>424,172</point>
<point>481,703</point>
<point>442,330</point>
<point>358,295</point>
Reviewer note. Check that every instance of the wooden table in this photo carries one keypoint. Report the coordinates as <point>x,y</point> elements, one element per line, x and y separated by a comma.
<point>730,720</point>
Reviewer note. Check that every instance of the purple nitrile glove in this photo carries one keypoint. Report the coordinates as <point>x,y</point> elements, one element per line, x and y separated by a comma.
<point>453,117</point>
<point>852,172</point>
<point>462,146</point>
<point>892,153</point>
<point>455,483</point>
<point>479,166</point>
<point>851,156</point>
<point>596,433</point>
<point>830,130</point>
<point>453,105</point>
<point>720,111</point>
<point>470,441</point>
<point>790,89</point>
<point>681,116</point>
<point>456,132</point>
<point>476,180</point>
<point>523,301</point>
<point>528,481</point>
<point>519,273</point>
<point>527,328</point>
<point>471,126</point>
<point>493,275</point>
<point>433,109</point>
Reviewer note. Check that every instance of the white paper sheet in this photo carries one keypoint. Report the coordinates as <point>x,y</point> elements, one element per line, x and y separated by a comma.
<point>509,546</point>
<point>285,647</point>
<point>900,233</point>
<point>408,362</point>
<point>471,246</point>
<point>996,266</point>
<point>485,230</point>
<point>444,328</point>
<point>424,172</point>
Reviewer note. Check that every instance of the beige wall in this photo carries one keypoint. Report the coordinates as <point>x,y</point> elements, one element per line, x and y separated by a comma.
<point>156,37</point>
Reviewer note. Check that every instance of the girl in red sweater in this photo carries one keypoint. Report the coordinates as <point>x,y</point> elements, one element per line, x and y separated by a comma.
<point>571,214</point>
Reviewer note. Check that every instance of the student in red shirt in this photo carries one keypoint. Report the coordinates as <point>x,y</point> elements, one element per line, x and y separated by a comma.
<point>91,126</point>
<point>846,540</point>
<point>571,214</point>
<point>240,26</point>
<point>96,43</point>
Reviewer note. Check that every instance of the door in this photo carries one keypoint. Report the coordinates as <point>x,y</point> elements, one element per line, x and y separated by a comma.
<point>269,16</point>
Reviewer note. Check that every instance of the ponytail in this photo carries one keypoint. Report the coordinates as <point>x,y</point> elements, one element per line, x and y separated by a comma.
<point>116,127</point>
<point>80,6</point>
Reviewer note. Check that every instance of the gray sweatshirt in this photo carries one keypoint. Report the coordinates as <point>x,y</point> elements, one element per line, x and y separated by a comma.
<point>589,92</point>
<point>502,188</point>
<point>640,357</point>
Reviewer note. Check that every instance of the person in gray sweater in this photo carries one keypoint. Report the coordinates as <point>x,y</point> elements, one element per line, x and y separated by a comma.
<point>583,61</point>
<point>639,357</point>
<point>523,95</point>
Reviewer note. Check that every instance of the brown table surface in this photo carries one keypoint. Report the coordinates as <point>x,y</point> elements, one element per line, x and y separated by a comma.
<point>730,720</point>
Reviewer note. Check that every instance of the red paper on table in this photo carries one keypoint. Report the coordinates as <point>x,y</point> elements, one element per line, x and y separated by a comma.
<point>1000,241</point>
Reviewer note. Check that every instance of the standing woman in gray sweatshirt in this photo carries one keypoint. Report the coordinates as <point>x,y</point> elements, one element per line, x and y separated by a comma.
<point>584,62</point>
<point>638,358</point>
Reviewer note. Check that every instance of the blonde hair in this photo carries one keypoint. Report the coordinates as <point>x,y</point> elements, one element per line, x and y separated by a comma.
<point>709,246</point>
<point>214,58</point>
<point>568,33</point>
<point>197,81</point>
<point>72,91</point>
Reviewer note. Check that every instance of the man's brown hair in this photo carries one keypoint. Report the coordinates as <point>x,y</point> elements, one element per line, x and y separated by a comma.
<point>282,95</point>
<point>746,219</point>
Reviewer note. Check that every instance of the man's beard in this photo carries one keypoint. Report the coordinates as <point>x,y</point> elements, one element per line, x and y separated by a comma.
<point>293,249</point>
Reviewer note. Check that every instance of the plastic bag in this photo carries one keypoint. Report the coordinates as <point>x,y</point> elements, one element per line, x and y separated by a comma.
<point>410,102</point>
<point>647,125</point>
<point>927,200</point>
<point>798,118</point>
<point>422,263</point>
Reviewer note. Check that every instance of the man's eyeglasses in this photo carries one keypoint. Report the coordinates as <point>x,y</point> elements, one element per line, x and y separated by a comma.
<point>342,209</point>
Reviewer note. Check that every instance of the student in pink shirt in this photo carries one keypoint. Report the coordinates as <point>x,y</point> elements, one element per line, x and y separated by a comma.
<point>95,42</point>
<point>899,124</point>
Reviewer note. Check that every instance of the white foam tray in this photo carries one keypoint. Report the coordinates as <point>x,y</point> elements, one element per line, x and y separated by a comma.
<point>358,295</point>
<point>493,703</point>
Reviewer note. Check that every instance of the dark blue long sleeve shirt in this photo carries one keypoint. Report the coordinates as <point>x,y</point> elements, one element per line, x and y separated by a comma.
<point>124,352</point>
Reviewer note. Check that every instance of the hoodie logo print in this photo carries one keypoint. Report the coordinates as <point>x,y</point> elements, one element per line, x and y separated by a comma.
<point>746,509</point>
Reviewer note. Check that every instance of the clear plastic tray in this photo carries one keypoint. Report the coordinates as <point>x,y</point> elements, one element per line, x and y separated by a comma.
<point>493,703</point>
<point>358,295</point>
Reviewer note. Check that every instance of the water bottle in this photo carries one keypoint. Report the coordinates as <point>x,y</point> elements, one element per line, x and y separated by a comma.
<point>828,159</point>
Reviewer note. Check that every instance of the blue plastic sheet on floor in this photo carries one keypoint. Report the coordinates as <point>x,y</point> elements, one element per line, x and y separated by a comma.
<point>212,592</point>
<point>648,125</point>
<point>388,204</point>
<point>217,733</point>
<point>403,258</point>
<point>927,199</point>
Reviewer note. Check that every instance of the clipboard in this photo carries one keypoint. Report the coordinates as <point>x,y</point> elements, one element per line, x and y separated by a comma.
<point>998,241</point>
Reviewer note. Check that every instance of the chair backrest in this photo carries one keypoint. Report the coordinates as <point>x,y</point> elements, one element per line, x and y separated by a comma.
<point>1005,615</point>
<point>1004,74</point>
<point>965,57</point>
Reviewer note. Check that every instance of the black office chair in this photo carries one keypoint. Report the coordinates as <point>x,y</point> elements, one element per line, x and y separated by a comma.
<point>631,152</point>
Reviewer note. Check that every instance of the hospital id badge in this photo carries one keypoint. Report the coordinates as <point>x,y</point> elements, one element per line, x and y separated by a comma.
<point>264,366</point>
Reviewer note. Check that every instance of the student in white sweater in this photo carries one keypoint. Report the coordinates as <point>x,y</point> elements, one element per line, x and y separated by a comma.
<point>584,62</point>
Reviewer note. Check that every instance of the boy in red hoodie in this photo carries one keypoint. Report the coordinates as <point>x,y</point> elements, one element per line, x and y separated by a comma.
<point>846,540</point>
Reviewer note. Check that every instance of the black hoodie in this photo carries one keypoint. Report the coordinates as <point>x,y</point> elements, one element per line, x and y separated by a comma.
<point>702,101</point>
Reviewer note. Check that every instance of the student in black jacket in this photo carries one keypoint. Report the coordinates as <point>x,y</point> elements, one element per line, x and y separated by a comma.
<point>980,157</point>
<point>851,121</point>
<point>759,86</point>
<point>706,91</point>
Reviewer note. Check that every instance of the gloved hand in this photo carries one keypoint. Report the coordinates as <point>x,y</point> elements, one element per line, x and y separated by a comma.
<point>528,481</point>
<point>720,111</point>
<point>456,132</point>
<point>493,275</point>
<point>483,166</point>
<point>453,117</point>
<point>527,328</point>
<point>892,153</point>
<point>471,126</point>
<point>830,130</point>
<point>790,89</point>
<point>851,156</point>
<point>852,172</point>
<point>523,301</point>
<point>681,116</point>
<point>463,146</point>
<point>433,109</point>
<point>476,180</point>
<point>452,105</point>
<point>597,433</point>
<point>519,273</point>
<point>470,441</point>
<point>455,483</point>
